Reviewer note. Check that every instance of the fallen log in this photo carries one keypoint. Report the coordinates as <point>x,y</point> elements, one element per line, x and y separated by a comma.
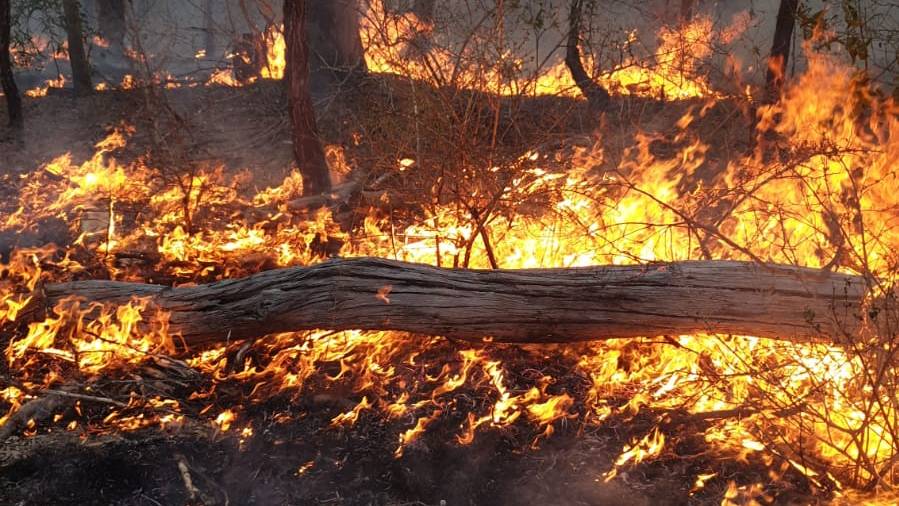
<point>518,306</point>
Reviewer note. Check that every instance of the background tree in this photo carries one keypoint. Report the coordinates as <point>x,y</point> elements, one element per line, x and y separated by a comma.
<point>13,100</point>
<point>111,24</point>
<point>209,27</point>
<point>81,72</point>
<point>686,11</point>
<point>307,149</point>
<point>597,96</point>
<point>333,35</point>
<point>424,9</point>
<point>780,49</point>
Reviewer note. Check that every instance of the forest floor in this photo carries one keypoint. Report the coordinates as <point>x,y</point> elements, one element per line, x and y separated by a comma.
<point>308,461</point>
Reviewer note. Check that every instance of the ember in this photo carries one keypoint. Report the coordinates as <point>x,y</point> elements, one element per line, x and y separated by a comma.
<point>513,253</point>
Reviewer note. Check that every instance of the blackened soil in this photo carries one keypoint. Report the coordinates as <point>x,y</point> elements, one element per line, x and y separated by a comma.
<point>306,461</point>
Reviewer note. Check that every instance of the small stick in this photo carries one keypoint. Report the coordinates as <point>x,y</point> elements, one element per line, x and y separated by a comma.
<point>43,405</point>
<point>185,476</point>
<point>36,409</point>
<point>85,397</point>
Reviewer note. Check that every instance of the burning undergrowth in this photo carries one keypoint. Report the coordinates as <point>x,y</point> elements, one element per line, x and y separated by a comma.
<point>389,417</point>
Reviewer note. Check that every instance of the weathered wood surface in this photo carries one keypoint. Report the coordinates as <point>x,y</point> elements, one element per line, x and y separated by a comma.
<point>522,306</point>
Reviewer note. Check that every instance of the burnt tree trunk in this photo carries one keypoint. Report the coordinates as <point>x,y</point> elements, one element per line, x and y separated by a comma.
<point>10,90</point>
<point>111,24</point>
<point>424,10</point>
<point>249,57</point>
<point>336,46</point>
<point>81,71</point>
<point>780,48</point>
<point>514,306</point>
<point>307,149</point>
<point>597,96</point>
<point>686,11</point>
<point>209,44</point>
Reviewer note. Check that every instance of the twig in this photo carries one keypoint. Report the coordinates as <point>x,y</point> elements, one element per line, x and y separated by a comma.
<point>85,397</point>
<point>38,409</point>
<point>46,401</point>
<point>185,477</point>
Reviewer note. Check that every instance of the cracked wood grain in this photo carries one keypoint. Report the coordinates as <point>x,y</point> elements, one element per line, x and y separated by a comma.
<point>516,306</point>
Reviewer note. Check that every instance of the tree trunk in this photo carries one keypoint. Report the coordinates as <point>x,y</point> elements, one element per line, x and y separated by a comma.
<point>111,24</point>
<point>81,71</point>
<point>10,90</point>
<point>249,57</point>
<point>515,306</point>
<point>424,10</point>
<point>307,150</point>
<point>597,96</point>
<point>780,49</point>
<point>209,26</point>
<point>333,34</point>
<point>686,11</point>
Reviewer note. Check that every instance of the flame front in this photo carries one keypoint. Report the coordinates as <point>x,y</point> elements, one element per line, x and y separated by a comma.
<point>826,200</point>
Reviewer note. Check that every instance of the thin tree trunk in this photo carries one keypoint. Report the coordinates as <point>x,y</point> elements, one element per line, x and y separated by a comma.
<point>780,49</point>
<point>10,90</point>
<point>209,24</point>
<point>307,149</point>
<point>597,96</point>
<point>111,24</point>
<point>515,306</point>
<point>81,72</point>
<point>686,11</point>
<point>336,46</point>
<point>424,10</point>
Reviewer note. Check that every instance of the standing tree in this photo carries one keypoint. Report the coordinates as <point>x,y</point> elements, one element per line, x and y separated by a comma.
<point>686,11</point>
<point>209,27</point>
<point>780,49</point>
<point>597,97</point>
<point>424,10</point>
<point>13,100</point>
<point>333,35</point>
<point>111,24</point>
<point>307,149</point>
<point>81,72</point>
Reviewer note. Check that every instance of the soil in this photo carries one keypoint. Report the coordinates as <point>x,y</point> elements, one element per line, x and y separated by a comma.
<point>306,461</point>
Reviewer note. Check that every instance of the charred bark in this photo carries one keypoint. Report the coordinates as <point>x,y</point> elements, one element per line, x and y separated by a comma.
<point>336,46</point>
<point>424,10</point>
<point>597,96</point>
<point>209,43</point>
<point>111,24</point>
<point>780,48</point>
<point>249,57</point>
<point>686,11</point>
<point>8,81</point>
<point>515,306</point>
<point>307,149</point>
<point>81,71</point>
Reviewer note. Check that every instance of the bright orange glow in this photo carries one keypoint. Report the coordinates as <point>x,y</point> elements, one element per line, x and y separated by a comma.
<point>276,53</point>
<point>393,41</point>
<point>835,207</point>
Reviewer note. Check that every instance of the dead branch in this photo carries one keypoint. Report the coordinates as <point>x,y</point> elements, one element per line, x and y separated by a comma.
<point>597,96</point>
<point>37,409</point>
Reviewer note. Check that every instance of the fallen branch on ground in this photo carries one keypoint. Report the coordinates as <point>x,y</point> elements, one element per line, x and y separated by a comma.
<point>341,194</point>
<point>38,409</point>
<point>517,306</point>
